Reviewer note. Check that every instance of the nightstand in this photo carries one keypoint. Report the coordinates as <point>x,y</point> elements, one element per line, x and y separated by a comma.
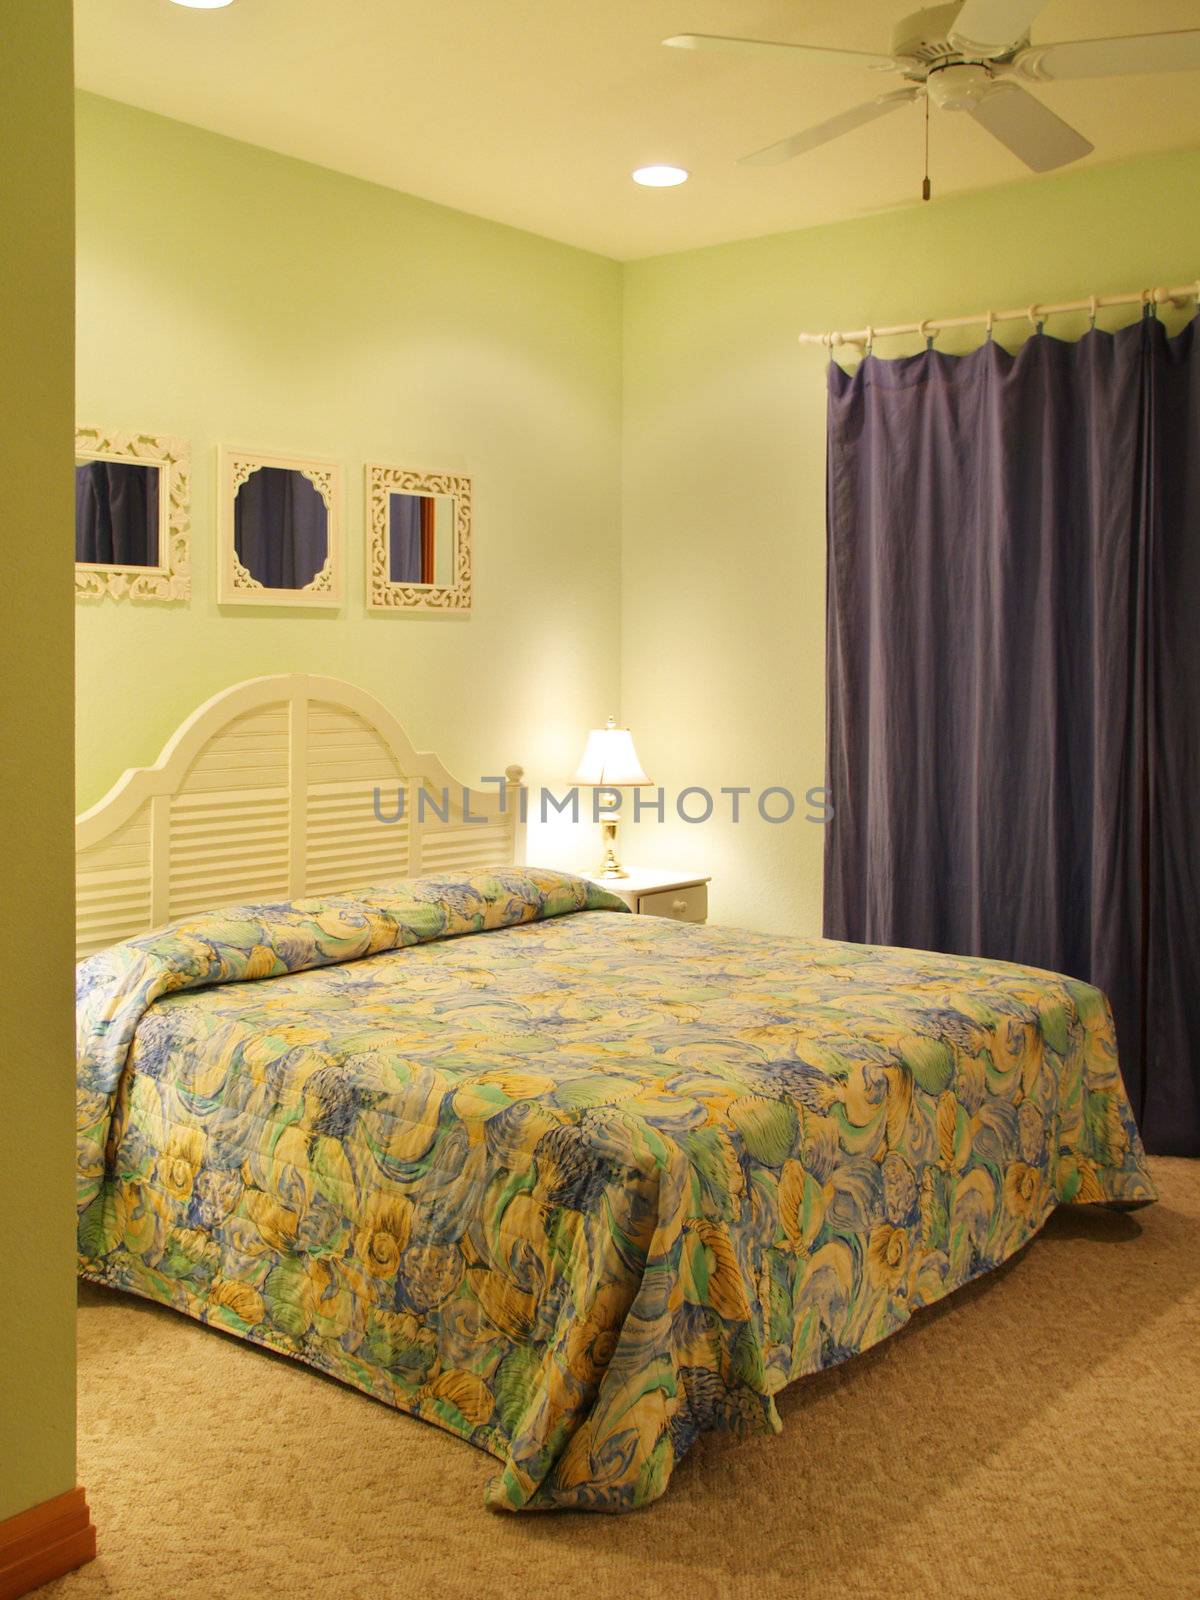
<point>662,894</point>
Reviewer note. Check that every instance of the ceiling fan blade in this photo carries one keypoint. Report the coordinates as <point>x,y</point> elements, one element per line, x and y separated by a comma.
<point>1110,58</point>
<point>1029,129</point>
<point>990,27</point>
<point>844,122</point>
<point>780,52</point>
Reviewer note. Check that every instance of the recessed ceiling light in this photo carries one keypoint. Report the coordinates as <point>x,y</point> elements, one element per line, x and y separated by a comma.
<point>660,177</point>
<point>203,5</point>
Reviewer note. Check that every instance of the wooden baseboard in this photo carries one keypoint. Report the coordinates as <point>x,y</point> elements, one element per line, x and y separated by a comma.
<point>44,1542</point>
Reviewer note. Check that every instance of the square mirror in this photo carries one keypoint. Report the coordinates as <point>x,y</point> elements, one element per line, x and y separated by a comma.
<point>279,539</point>
<point>418,540</point>
<point>421,539</point>
<point>131,515</point>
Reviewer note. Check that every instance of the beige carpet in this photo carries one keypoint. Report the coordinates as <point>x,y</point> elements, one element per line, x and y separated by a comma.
<point>1037,1435</point>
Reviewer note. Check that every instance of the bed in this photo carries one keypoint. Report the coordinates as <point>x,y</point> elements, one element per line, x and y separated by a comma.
<point>571,1184</point>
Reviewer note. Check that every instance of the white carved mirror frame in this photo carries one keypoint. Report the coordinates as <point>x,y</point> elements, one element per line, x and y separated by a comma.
<point>238,587</point>
<point>383,593</point>
<point>171,578</point>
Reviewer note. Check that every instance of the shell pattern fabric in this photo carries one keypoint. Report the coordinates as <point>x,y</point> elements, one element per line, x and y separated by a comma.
<point>582,1184</point>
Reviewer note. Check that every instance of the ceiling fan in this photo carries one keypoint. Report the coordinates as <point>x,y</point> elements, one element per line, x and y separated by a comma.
<point>968,57</point>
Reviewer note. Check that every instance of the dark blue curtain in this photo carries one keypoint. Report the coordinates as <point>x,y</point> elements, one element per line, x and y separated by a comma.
<point>280,528</point>
<point>404,538</point>
<point>1014,675</point>
<point>116,514</point>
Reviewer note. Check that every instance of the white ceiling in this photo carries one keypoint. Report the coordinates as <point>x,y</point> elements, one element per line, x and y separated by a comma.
<point>533,112</point>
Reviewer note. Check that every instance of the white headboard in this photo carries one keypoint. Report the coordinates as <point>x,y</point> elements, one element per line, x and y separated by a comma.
<point>267,792</point>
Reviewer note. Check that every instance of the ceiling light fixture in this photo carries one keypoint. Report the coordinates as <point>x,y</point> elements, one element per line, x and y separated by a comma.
<point>203,5</point>
<point>660,177</point>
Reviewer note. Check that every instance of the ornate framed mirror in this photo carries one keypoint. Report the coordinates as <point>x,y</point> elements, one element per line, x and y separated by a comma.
<point>131,515</point>
<point>418,540</point>
<point>279,530</point>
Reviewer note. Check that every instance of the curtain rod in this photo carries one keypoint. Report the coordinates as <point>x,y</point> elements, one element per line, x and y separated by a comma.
<point>1035,313</point>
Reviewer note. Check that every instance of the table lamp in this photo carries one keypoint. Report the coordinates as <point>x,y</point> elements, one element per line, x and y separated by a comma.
<point>609,761</point>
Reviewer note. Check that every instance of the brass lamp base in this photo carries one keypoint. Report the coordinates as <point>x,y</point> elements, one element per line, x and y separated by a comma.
<point>609,866</point>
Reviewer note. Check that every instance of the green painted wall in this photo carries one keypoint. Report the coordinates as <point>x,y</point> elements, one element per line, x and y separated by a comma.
<point>724,471</point>
<point>37,1326</point>
<point>229,294</point>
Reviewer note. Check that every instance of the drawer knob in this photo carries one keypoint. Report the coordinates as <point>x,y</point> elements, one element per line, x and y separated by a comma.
<point>678,905</point>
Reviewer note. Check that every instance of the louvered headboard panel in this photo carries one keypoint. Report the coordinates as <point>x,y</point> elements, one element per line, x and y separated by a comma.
<point>268,792</point>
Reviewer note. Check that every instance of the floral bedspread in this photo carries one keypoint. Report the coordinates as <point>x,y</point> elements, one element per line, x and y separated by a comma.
<point>580,1185</point>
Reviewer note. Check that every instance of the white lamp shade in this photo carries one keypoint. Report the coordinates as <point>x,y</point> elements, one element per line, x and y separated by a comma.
<point>609,760</point>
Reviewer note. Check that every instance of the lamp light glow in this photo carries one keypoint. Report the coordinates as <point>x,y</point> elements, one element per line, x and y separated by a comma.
<point>609,760</point>
<point>660,177</point>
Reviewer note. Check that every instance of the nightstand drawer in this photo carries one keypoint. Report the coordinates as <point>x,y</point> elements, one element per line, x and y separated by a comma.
<point>685,905</point>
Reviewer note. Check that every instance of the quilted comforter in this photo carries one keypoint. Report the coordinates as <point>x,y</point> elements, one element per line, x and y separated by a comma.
<point>582,1184</point>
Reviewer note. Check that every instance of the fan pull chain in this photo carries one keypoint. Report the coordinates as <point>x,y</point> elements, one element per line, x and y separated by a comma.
<point>926,187</point>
